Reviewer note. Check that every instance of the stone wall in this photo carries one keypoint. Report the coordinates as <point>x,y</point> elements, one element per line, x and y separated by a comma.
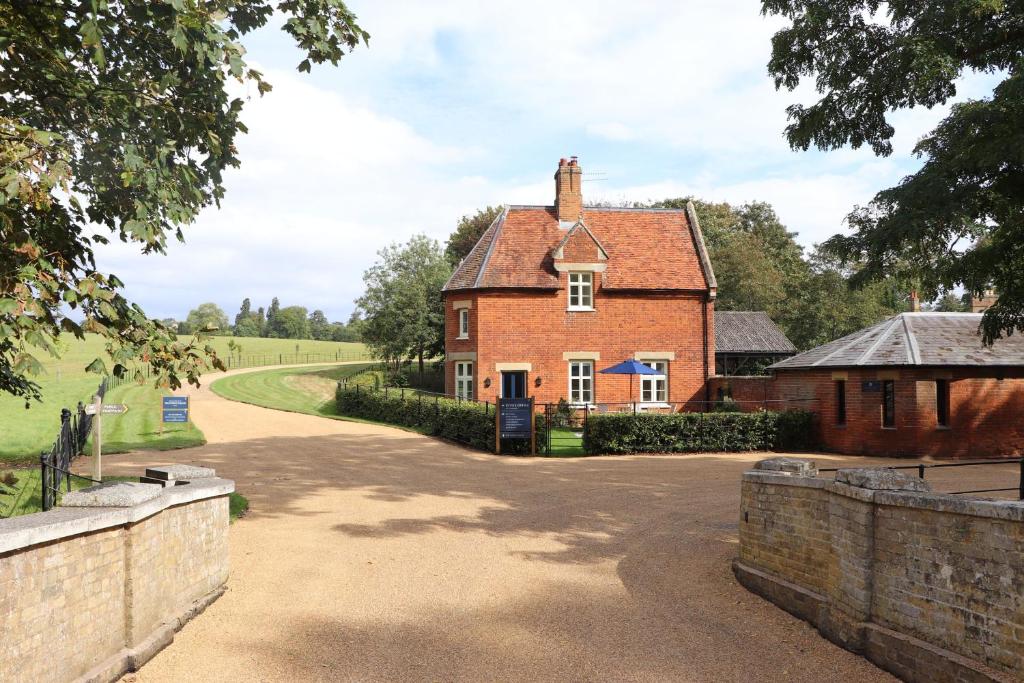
<point>96,587</point>
<point>927,586</point>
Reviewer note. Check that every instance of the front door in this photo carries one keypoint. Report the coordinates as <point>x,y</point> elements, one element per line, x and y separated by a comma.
<point>513,384</point>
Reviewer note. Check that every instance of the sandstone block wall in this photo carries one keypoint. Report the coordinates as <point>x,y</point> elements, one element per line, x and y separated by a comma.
<point>930,587</point>
<point>92,592</point>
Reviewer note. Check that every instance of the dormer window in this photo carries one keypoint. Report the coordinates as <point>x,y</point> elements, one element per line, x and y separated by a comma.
<point>463,323</point>
<point>581,291</point>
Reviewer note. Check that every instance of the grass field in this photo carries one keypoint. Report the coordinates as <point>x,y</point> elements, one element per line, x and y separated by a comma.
<point>25,496</point>
<point>26,432</point>
<point>565,441</point>
<point>297,390</point>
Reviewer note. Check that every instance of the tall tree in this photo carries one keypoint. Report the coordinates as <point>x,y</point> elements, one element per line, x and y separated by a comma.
<point>291,323</point>
<point>115,119</point>
<point>959,220</point>
<point>271,328</point>
<point>244,312</point>
<point>208,317</point>
<point>403,303</point>
<point>319,327</point>
<point>468,232</point>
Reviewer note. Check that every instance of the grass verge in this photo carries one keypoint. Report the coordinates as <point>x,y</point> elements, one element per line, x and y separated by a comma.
<point>296,390</point>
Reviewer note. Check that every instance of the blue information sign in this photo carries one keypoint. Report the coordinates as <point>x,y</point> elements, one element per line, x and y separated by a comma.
<point>175,409</point>
<point>516,418</point>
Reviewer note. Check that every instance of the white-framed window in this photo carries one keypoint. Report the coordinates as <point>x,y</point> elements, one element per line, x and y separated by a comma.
<point>464,379</point>
<point>581,381</point>
<point>654,388</point>
<point>463,323</point>
<point>581,291</point>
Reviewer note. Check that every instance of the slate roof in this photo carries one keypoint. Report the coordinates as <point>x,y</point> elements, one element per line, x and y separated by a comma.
<point>914,339</point>
<point>660,249</point>
<point>749,332</point>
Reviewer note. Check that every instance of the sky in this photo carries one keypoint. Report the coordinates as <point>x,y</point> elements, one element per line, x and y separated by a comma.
<point>457,105</point>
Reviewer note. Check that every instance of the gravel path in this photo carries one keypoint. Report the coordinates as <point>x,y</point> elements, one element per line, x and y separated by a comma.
<point>372,554</point>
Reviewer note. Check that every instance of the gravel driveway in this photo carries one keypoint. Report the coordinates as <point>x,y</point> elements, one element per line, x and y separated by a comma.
<point>373,554</point>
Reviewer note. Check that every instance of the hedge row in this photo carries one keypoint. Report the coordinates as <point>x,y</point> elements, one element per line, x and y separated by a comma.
<point>465,422</point>
<point>697,432</point>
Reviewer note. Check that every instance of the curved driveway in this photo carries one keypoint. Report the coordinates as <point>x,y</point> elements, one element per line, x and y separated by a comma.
<point>373,554</point>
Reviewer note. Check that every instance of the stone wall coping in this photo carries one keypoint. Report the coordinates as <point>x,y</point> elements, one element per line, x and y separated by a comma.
<point>1010,510</point>
<point>783,479</point>
<point>61,522</point>
<point>855,492</point>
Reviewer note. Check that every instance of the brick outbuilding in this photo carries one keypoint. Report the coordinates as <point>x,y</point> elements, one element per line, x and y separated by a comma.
<point>917,385</point>
<point>551,295</point>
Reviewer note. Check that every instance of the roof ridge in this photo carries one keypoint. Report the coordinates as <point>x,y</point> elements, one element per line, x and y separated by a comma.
<point>913,352</point>
<point>702,252</point>
<point>496,225</point>
<point>868,352</point>
<point>857,336</point>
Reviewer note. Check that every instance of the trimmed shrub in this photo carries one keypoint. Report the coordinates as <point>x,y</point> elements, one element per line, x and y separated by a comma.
<point>697,433</point>
<point>466,422</point>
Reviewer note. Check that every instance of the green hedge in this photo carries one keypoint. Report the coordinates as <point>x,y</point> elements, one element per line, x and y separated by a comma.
<point>696,432</point>
<point>465,422</point>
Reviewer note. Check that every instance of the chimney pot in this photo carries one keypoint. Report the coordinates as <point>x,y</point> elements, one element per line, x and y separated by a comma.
<point>915,303</point>
<point>568,190</point>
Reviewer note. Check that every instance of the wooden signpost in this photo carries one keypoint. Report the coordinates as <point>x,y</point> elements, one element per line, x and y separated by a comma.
<point>513,419</point>
<point>98,409</point>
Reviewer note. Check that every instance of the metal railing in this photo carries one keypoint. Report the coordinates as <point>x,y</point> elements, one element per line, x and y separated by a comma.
<point>55,464</point>
<point>922,467</point>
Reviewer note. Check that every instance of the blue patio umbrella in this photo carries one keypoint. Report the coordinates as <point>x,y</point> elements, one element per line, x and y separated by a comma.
<point>630,367</point>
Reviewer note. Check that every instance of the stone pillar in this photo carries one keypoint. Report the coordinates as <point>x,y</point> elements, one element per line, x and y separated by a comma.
<point>851,570</point>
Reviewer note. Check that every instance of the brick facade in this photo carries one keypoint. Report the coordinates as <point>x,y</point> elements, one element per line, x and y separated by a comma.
<point>534,327</point>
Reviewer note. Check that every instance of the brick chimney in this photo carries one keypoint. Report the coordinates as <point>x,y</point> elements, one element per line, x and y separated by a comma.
<point>915,303</point>
<point>568,190</point>
<point>984,302</point>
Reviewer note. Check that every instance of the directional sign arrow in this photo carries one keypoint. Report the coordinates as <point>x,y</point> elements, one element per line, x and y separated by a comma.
<point>114,408</point>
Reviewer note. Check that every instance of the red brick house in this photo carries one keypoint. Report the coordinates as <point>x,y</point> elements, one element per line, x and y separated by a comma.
<point>550,295</point>
<point>917,384</point>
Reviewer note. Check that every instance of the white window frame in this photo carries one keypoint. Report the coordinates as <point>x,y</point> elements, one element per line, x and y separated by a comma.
<point>464,379</point>
<point>581,290</point>
<point>654,388</point>
<point>579,396</point>
<point>463,323</point>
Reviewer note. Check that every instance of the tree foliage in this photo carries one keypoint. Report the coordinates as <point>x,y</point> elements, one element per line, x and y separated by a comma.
<point>468,232</point>
<point>208,317</point>
<point>959,220</point>
<point>115,120</point>
<point>403,305</point>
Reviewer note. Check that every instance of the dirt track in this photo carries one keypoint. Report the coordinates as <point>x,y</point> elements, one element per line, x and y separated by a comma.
<point>376,554</point>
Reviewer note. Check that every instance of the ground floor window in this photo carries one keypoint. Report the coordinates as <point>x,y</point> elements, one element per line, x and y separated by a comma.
<point>654,388</point>
<point>841,402</point>
<point>888,403</point>
<point>942,402</point>
<point>581,381</point>
<point>464,380</point>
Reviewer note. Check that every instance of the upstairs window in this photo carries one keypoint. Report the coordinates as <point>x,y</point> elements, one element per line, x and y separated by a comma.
<point>581,382</point>
<point>841,402</point>
<point>464,380</point>
<point>463,323</point>
<point>942,402</point>
<point>581,291</point>
<point>888,403</point>
<point>654,388</point>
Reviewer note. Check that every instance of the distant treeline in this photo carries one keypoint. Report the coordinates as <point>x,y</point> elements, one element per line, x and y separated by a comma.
<point>290,322</point>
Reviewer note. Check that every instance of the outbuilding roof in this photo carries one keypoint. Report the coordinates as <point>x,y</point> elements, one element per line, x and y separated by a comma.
<point>926,339</point>
<point>749,332</point>
<point>659,249</point>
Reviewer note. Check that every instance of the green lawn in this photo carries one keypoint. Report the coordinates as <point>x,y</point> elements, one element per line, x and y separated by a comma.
<point>297,390</point>
<point>26,432</point>
<point>25,495</point>
<point>566,442</point>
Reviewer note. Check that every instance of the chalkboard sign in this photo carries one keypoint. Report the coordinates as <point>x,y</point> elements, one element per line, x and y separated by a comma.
<point>516,418</point>
<point>871,386</point>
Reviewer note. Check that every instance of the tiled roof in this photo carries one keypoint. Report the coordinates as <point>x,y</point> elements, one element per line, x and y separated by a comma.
<point>749,332</point>
<point>647,249</point>
<point>935,339</point>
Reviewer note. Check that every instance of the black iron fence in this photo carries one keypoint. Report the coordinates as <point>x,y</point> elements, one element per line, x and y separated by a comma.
<point>55,464</point>
<point>923,467</point>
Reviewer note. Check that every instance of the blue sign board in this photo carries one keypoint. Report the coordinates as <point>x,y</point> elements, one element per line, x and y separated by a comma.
<point>175,409</point>
<point>516,418</point>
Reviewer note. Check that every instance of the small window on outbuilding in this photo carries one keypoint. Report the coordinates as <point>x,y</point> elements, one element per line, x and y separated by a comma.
<point>463,323</point>
<point>841,402</point>
<point>942,402</point>
<point>888,403</point>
